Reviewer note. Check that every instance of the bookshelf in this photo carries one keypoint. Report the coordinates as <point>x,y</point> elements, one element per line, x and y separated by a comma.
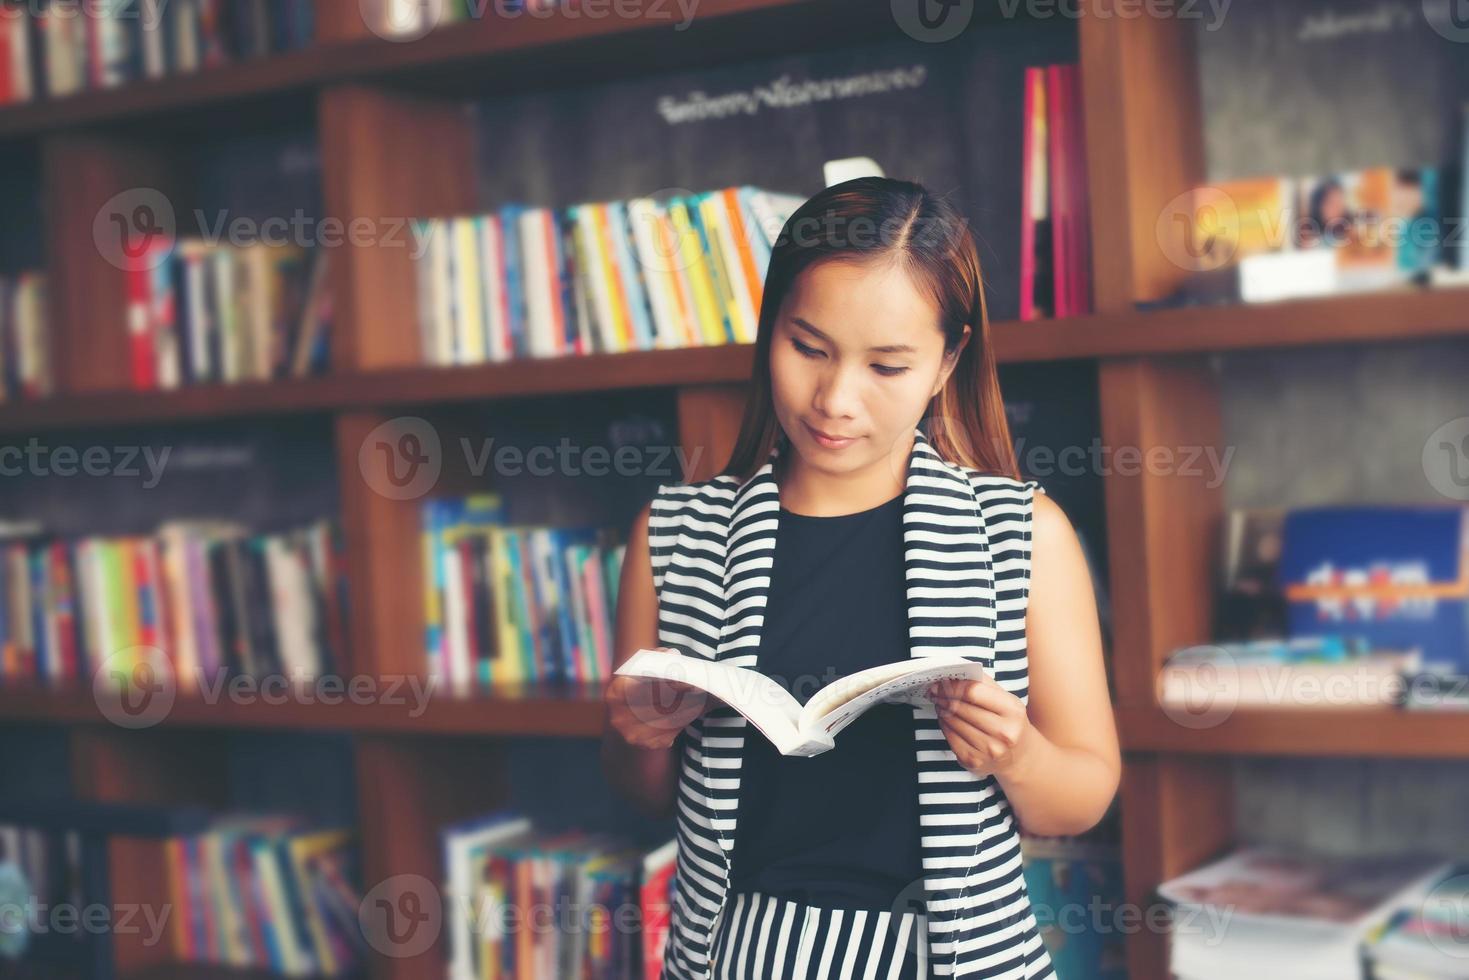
<point>1144,146</point>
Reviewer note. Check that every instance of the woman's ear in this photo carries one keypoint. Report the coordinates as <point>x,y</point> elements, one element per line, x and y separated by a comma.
<point>951,360</point>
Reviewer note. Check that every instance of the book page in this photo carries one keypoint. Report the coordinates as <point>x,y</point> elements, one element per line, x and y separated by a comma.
<point>767,705</point>
<point>842,701</point>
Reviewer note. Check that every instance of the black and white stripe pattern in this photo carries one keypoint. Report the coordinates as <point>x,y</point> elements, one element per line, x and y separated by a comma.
<point>765,937</point>
<point>966,542</point>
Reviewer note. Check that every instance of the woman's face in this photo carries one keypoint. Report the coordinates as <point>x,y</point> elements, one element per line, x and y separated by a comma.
<point>856,353</point>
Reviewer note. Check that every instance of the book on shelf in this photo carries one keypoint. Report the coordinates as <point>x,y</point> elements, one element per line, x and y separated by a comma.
<point>1311,672</point>
<point>25,341</point>
<point>210,598</point>
<point>1424,937</point>
<point>509,604</point>
<point>1395,576</point>
<point>54,48</point>
<point>266,892</point>
<point>40,869</point>
<point>1055,234</point>
<point>596,277</point>
<point>499,869</point>
<point>201,312</point>
<point>808,729</point>
<point>1263,911</point>
<point>1064,873</point>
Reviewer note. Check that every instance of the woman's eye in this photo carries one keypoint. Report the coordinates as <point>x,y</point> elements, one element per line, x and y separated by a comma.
<point>807,351</point>
<point>888,372</point>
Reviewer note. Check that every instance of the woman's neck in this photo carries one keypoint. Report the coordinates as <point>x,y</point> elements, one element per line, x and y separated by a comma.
<point>808,491</point>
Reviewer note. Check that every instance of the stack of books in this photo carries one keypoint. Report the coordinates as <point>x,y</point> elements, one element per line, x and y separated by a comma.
<point>505,880</point>
<point>1270,913</point>
<point>54,48</point>
<point>1055,223</point>
<point>603,277</point>
<point>1321,672</point>
<point>512,604</point>
<point>25,342</point>
<point>202,312</point>
<point>1425,938</point>
<point>212,597</point>
<point>268,893</point>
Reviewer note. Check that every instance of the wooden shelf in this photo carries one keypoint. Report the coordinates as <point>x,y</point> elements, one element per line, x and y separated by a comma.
<point>473,59</point>
<point>1354,319</point>
<point>378,389</point>
<point>1337,732</point>
<point>541,709</point>
<point>1378,317</point>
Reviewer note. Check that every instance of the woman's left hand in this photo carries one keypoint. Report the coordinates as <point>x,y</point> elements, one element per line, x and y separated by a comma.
<point>987,726</point>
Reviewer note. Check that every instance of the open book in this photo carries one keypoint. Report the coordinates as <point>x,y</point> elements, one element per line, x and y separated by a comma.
<point>809,729</point>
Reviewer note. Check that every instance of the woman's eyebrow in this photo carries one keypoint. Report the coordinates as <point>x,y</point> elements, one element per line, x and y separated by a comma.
<point>884,349</point>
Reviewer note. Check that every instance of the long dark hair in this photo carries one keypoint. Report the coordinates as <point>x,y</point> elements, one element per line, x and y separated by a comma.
<point>874,219</point>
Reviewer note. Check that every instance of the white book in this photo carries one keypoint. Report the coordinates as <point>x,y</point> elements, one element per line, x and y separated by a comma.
<point>642,215</point>
<point>596,265</point>
<point>464,853</point>
<point>809,729</point>
<point>535,279</point>
<point>492,255</point>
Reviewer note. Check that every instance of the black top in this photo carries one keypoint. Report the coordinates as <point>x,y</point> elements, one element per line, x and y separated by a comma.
<point>839,829</point>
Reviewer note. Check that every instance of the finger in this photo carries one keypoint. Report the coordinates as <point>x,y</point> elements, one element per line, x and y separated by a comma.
<point>985,719</point>
<point>990,696</point>
<point>977,741</point>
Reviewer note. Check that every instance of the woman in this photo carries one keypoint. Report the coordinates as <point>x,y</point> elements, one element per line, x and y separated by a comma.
<point>840,536</point>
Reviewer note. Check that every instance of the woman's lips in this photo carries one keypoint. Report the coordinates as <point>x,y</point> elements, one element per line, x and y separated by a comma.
<point>826,440</point>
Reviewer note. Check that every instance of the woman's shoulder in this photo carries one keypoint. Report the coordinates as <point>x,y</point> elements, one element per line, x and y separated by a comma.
<point>999,485</point>
<point>706,497</point>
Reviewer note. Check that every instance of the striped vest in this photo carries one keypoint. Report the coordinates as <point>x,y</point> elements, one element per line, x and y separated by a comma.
<point>966,544</point>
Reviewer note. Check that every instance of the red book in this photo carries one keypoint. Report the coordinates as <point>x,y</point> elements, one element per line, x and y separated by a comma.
<point>140,328</point>
<point>1032,120</point>
<point>1081,201</point>
<point>1057,106</point>
<point>66,639</point>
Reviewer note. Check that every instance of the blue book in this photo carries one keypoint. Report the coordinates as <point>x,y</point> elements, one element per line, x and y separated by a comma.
<point>1395,577</point>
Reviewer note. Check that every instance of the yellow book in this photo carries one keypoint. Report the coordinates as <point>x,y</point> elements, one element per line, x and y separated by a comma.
<point>469,321</point>
<point>612,279</point>
<point>507,666</point>
<point>305,849</point>
<point>711,319</point>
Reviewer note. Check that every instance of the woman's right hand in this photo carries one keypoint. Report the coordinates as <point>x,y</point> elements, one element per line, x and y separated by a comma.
<point>650,712</point>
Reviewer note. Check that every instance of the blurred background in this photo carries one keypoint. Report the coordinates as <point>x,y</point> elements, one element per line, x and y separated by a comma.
<point>341,340</point>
